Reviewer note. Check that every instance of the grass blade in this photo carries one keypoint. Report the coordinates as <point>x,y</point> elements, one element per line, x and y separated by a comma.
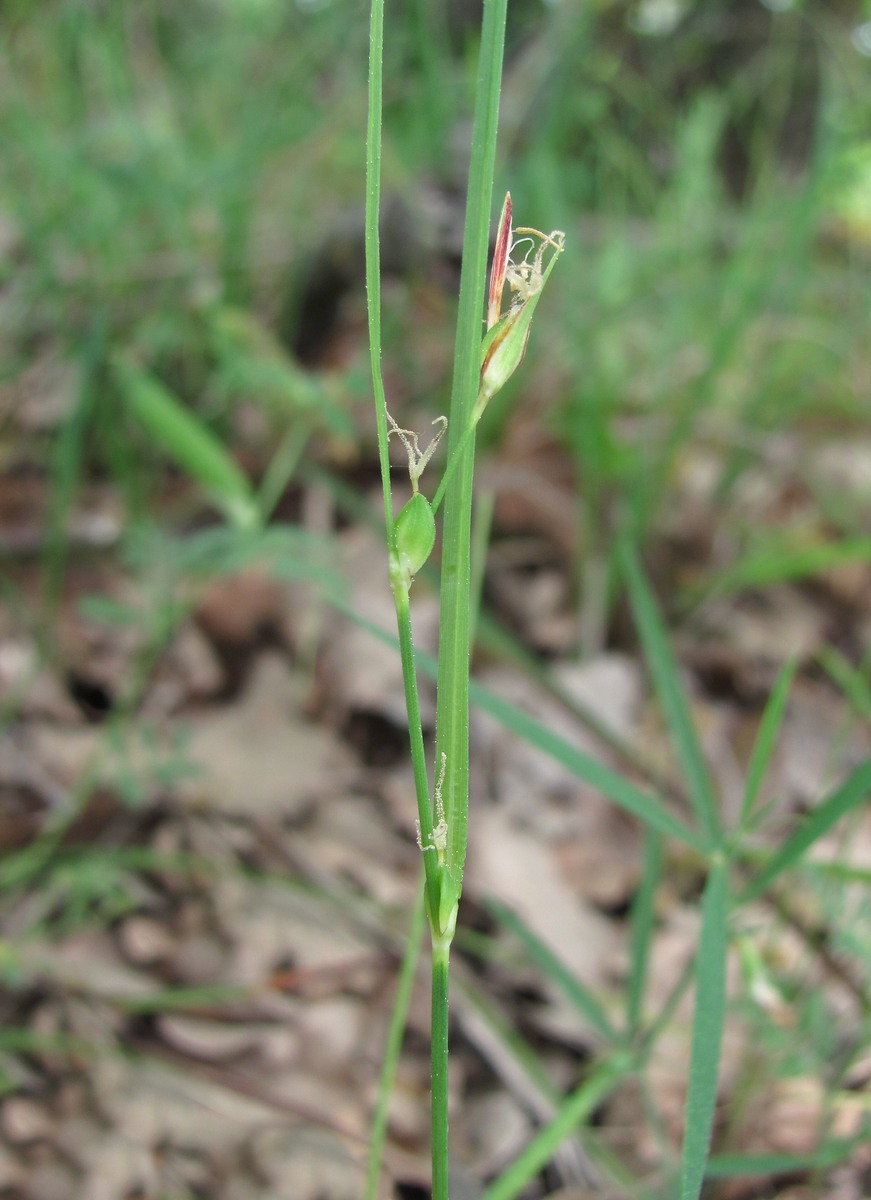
<point>544,958</point>
<point>708,1018</point>
<point>642,923</point>
<point>781,563</point>
<point>728,1166</point>
<point>189,443</point>
<point>766,736</point>
<point>643,805</point>
<point>576,1108</point>
<point>452,699</point>
<point>851,680</point>
<point>671,695</point>
<point>855,790</point>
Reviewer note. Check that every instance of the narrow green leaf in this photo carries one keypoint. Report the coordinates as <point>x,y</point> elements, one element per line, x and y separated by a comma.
<point>852,681</point>
<point>575,1109</point>
<point>642,924</point>
<point>452,701</point>
<point>842,872</point>
<point>780,563</point>
<point>708,1019</point>
<point>671,695</point>
<point>727,1166</point>
<point>482,520</point>
<point>855,790</point>
<point>186,440</point>
<point>399,585</point>
<point>766,736</point>
<point>643,805</point>
<point>581,997</point>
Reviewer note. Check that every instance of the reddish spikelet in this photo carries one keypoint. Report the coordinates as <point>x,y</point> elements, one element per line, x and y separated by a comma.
<point>500,263</point>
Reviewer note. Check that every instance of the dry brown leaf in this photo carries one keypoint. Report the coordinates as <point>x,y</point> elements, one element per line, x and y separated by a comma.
<point>208,1040</point>
<point>306,1163</point>
<point>259,757</point>
<point>514,866</point>
<point>236,610</point>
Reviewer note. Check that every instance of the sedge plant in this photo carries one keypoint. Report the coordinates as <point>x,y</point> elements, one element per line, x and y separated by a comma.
<point>487,353</point>
<point>523,260</point>
<point>481,367</point>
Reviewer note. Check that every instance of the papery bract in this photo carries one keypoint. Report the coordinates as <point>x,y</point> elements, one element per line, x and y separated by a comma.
<point>504,343</point>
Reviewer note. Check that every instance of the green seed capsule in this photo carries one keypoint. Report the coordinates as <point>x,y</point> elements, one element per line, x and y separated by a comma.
<point>415,534</point>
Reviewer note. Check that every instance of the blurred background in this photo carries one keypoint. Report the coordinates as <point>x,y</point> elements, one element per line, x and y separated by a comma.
<point>206,824</point>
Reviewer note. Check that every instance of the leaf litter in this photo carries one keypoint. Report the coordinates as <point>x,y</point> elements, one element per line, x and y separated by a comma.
<point>201,982</point>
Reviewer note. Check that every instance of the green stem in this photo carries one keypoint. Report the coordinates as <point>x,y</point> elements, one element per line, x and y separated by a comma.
<point>444,868</point>
<point>439,1050</point>
<point>482,522</point>
<point>373,253</point>
<point>415,734</point>
<point>453,463</point>
<point>452,735</point>
<point>373,297</point>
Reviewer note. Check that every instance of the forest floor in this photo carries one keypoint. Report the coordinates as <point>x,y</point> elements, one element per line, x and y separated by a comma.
<point>209,858</point>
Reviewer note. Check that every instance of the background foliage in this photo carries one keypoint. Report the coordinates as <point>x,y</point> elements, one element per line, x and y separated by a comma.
<point>183,359</point>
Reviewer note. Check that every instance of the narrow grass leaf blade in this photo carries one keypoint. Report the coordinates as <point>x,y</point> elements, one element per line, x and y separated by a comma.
<point>452,690</point>
<point>848,678</point>
<point>842,872</point>
<point>643,805</point>
<point>782,563</point>
<point>671,695</point>
<point>642,923</point>
<point>583,999</point>
<point>766,736</point>
<point>576,1108</point>
<point>708,1019</point>
<point>855,790</point>
<point>452,699</point>
<point>186,440</point>
<point>728,1166</point>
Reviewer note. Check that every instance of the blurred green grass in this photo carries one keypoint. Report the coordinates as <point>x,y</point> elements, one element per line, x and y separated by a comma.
<point>183,190</point>
<point>173,173</point>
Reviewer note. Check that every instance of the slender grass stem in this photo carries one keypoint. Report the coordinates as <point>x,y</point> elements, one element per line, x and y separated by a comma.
<point>373,250</point>
<point>415,733</point>
<point>452,716</point>
<point>453,677</point>
<point>439,1051</point>
<point>465,443</point>
<point>373,293</point>
<point>444,856</point>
